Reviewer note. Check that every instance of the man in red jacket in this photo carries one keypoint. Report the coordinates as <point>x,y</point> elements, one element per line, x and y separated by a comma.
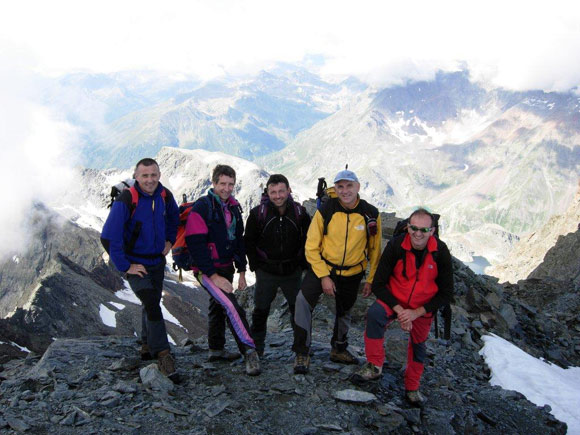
<point>414,278</point>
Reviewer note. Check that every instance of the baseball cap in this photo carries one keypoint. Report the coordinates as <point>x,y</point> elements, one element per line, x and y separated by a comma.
<point>345,175</point>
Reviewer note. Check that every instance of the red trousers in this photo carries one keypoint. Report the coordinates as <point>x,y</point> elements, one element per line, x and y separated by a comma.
<point>379,317</point>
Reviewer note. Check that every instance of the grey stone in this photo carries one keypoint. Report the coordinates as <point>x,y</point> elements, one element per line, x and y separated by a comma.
<point>173,410</point>
<point>329,427</point>
<point>412,415</point>
<point>508,314</point>
<point>152,379</point>
<point>216,408</point>
<point>331,367</point>
<point>111,402</point>
<point>125,387</point>
<point>354,396</point>
<point>17,424</point>
<point>124,364</point>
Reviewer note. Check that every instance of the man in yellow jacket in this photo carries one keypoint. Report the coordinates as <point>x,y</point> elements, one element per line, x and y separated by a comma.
<point>343,238</point>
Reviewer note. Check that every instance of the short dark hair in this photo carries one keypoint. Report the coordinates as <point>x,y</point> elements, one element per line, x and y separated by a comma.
<point>276,179</point>
<point>147,161</point>
<point>220,170</point>
<point>423,212</point>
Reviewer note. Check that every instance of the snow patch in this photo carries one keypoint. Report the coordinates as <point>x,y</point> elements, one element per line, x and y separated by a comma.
<point>541,382</point>
<point>169,317</point>
<point>22,348</point>
<point>127,294</point>
<point>117,305</point>
<point>107,316</point>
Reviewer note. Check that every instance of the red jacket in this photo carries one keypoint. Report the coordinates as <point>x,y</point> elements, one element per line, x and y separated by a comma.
<point>398,282</point>
<point>414,288</point>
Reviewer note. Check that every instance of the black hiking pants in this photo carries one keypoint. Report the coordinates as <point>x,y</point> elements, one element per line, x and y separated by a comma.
<point>148,289</point>
<point>267,285</point>
<point>311,289</point>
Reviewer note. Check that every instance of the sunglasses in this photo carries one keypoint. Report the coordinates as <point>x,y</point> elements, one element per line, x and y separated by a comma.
<point>423,230</point>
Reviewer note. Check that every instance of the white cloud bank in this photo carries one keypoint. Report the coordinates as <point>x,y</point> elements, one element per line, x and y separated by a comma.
<point>519,44</point>
<point>36,151</point>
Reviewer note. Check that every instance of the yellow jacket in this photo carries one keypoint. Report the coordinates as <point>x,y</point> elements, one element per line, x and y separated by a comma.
<point>345,244</point>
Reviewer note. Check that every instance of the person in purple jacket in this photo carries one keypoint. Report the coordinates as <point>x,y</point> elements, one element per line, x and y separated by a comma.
<point>214,236</point>
<point>138,234</point>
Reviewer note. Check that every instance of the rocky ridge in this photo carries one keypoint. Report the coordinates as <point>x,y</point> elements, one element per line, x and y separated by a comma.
<point>98,385</point>
<point>530,252</point>
<point>64,286</point>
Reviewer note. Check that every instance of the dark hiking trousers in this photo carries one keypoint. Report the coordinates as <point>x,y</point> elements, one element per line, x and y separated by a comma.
<point>217,317</point>
<point>148,289</point>
<point>267,285</point>
<point>311,289</point>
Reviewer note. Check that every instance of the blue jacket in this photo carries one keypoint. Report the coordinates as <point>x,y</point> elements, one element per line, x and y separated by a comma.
<point>158,219</point>
<point>210,242</point>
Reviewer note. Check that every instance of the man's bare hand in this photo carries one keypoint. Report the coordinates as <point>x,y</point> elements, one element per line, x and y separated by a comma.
<point>242,281</point>
<point>406,326</point>
<point>137,269</point>
<point>366,290</point>
<point>167,248</point>
<point>222,283</point>
<point>408,315</point>
<point>328,286</point>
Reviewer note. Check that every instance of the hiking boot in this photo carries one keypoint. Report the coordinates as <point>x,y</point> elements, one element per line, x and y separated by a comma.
<point>415,398</point>
<point>253,363</point>
<point>342,357</point>
<point>166,364</point>
<point>222,355</point>
<point>301,364</point>
<point>145,353</point>
<point>368,372</point>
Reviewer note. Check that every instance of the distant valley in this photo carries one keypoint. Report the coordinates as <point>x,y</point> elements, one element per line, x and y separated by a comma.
<point>495,164</point>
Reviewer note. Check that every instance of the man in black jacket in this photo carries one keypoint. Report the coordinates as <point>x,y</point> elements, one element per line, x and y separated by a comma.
<point>275,236</point>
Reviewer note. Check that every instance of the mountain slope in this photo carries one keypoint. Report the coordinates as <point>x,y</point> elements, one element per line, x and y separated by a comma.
<point>247,117</point>
<point>542,245</point>
<point>478,157</point>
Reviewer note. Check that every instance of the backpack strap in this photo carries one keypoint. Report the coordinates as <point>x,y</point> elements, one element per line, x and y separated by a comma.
<point>131,200</point>
<point>327,211</point>
<point>135,199</point>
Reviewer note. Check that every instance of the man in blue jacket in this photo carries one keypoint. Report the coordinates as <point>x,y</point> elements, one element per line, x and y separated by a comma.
<point>138,234</point>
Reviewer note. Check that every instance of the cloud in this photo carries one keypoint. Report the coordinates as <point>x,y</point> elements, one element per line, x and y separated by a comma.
<point>36,151</point>
<point>515,44</point>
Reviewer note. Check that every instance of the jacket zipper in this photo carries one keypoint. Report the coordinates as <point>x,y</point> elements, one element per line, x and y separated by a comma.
<point>416,279</point>
<point>153,217</point>
<point>345,240</point>
<point>280,233</point>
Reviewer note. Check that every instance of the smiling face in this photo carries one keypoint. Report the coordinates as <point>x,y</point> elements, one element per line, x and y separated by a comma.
<point>278,194</point>
<point>347,192</point>
<point>419,238</point>
<point>224,187</point>
<point>148,177</point>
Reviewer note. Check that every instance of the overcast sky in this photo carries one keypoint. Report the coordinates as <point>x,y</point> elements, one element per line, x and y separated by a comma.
<point>515,44</point>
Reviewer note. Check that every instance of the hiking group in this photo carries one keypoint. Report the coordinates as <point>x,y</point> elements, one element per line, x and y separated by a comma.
<point>331,254</point>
